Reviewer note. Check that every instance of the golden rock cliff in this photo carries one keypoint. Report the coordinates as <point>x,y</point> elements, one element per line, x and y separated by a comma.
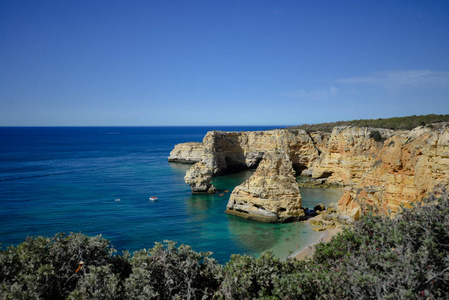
<point>348,154</point>
<point>406,169</point>
<point>227,152</point>
<point>383,169</point>
<point>191,152</point>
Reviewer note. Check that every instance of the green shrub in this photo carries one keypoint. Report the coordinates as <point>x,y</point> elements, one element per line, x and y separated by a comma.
<point>247,277</point>
<point>44,267</point>
<point>173,272</point>
<point>399,123</point>
<point>397,258</point>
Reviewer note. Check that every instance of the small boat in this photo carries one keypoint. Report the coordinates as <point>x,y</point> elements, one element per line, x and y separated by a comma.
<point>118,199</point>
<point>153,198</point>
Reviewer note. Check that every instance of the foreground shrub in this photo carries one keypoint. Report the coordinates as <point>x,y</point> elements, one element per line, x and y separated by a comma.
<point>398,258</point>
<point>45,267</point>
<point>171,272</point>
<point>246,277</point>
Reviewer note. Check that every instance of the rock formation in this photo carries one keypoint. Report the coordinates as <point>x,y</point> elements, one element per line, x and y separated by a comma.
<point>348,154</point>
<point>271,194</point>
<point>406,169</point>
<point>199,178</point>
<point>382,168</point>
<point>191,152</point>
<point>228,152</point>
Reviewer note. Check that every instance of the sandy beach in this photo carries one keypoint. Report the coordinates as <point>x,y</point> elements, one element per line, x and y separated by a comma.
<point>325,237</point>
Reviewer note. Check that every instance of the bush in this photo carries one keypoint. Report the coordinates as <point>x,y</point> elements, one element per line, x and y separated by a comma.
<point>171,272</point>
<point>44,267</point>
<point>397,258</point>
<point>399,123</point>
<point>247,277</point>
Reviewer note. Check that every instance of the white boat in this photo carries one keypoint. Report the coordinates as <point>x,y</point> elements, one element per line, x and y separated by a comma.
<point>153,198</point>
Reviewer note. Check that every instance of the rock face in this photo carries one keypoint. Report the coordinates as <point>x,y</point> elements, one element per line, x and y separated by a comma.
<point>406,169</point>
<point>349,153</point>
<point>199,178</point>
<point>227,152</point>
<point>187,153</point>
<point>271,194</point>
<point>382,168</point>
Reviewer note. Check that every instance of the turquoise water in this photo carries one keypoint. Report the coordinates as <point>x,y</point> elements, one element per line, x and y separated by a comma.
<point>70,179</point>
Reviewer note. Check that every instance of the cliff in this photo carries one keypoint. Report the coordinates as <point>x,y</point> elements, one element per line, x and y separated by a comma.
<point>348,154</point>
<point>382,168</point>
<point>187,153</point>
<point>406,169</point>
<point>228,152</point>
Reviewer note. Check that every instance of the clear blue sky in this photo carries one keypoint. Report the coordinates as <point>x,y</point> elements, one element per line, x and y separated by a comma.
<point>220,62</point>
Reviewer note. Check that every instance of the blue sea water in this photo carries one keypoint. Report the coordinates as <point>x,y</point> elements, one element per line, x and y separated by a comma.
<point>98,180</point>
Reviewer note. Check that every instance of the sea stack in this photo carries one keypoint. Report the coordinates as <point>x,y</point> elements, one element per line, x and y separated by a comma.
<point>271,194</point>
<point>199,178</point>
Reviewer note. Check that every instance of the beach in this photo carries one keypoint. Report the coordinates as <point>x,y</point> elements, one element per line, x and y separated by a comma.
<point>325,237</point>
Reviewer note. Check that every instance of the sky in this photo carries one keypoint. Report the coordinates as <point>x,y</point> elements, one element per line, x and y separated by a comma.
<point>233,62</point>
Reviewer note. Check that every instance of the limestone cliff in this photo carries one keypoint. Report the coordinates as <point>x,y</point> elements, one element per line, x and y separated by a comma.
<point>383,168</point>
<point>348,154</point>
<point>406,169</point>
<point>191,152</point>
<point>227,152</point>
<point>271,194</point>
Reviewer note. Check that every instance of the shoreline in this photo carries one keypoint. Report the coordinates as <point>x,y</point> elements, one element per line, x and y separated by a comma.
<point>325,237</point>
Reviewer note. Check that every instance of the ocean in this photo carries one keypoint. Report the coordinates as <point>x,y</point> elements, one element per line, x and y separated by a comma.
<point>98,180</point>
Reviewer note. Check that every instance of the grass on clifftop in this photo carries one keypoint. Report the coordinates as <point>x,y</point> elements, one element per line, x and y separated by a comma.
<point>405,257</point>
<point>402,123</point>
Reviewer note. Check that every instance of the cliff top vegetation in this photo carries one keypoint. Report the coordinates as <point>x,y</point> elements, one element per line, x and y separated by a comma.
<point>397,123</point>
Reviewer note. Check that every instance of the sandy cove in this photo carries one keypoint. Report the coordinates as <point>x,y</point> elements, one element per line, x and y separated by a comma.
<point>325,237</point>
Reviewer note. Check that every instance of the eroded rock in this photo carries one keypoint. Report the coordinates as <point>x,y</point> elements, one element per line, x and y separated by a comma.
<point>271,194</point>
<point>199,178</point>
<point>384,168</point>
<point>191,152</point>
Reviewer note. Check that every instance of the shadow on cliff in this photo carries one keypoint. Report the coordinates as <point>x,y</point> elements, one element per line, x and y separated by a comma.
<point>231,157</point>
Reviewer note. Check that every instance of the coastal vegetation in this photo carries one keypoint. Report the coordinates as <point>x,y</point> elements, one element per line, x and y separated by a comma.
<point>404,257</point>
<point>397,123</point>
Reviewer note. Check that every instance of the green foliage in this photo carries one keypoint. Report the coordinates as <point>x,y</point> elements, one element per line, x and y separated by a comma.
<point>397,258</point>
<point>100,283</point>
<point>44,267</point>
<point>399,123</point>
<point>405,257</point>
<point>248,278</point>
<point>173,272</point>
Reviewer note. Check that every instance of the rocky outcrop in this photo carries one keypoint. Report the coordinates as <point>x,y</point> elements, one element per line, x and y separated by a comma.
<point>271,194</point>
<point>227,152</point>
<point>191,152</point>
<point>244,150</point>
<point>407,168</point>
<point>199,178</point>
<point>348,154</point>
<point>383,168</point>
